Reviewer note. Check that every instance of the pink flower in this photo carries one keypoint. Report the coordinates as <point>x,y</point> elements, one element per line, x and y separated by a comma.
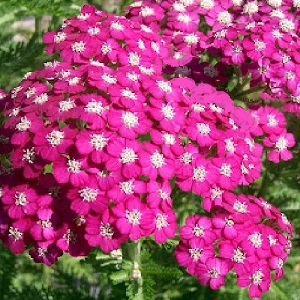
<point>20,201</point>
<point>103,233</point>
<point>45,252</point>
<point>212,272</point>
<point>198,228</point>
<point>162,222</point>
<point>155,163</point>
<point>129,218</point>
<point>257,277</point>
<point>125,156</point>
<point>280,145</point>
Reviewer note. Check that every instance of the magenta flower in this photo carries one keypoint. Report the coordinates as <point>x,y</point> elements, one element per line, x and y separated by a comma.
<point>198,228</point>
<point>192,253</point>
<point>257,277</point>
<point>46,253</point>
<point>125,156</point>
<point>103,233</point>
<point>212,272</point>
<point>129,218</point>
<point>162,222</point>
<point>280,145</point>
<point>20,201</point>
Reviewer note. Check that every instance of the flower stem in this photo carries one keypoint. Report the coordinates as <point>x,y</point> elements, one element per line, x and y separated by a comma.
<point>249,91</point>
<point>134,253</point>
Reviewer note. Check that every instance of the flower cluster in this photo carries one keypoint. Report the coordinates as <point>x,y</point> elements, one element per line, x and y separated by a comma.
<point>93,144</point>
<point>260,37</point>
<point>247,235</point>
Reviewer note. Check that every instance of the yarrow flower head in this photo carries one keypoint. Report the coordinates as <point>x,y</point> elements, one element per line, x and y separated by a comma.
<point>94,143</point>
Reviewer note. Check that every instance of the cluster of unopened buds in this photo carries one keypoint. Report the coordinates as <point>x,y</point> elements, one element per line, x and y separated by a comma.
<point>93,145</point>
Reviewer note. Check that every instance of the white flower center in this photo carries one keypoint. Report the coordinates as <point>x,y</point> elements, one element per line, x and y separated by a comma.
<point>198,230</point>
<point>93,30</point>
<point>214,273</point>
<point>42,98</point>
<point>191,38</point>
<point>157,159</point>
<point>186,158</point>
<point>127,187</point>
<point>226,170</point>
<point>134,59</point>
<point>281,144</point>
<point>128,94</point>
<point>66,105</point>
<point>250,8</point>
<point>259,45</point>
<point>128,156</point>
<point>78,47</point>
<point>272,240</point>
<point>240,207</point>
<point>256,239</point>
<point>15,233</point>
<point>105,48</point>
<point>257,277</point>
<point>59,37</point>
<point>24,124</point>
<point>45,223</point>
<point>230,146</point>
<point>106,230</point>
<point>195,253</point>
<point>224,17</point>
<point>169,139</point>
<point>55,137</point>
<point>146,11</point>
<point>15,111</point>
<point>168,111</point>
<point>94,107</point>
<point>289,75</point>
<point>133,216</point>
<point>203,128</point>
<point>184,18</point>
<point>117,26</point>
<point>84,16</point>
<point>199,174</point>
<point>29,155</point>
<point>216,193</point>
<point>238,256</point>
<point>42,251</point>
<point>73,166</point>
<point>286,25</point>
<point>275,3</point>
<point>20,199</point>
<point>130,119</point>
<point>165,86</point>
<point>88,194</point>
<point>70,237</point>
<point>98,141</point>
<point>207,4</point>
<point>161,221</point>
<point>163,195</point>
<point>73,81</point>
<point>30,92</point>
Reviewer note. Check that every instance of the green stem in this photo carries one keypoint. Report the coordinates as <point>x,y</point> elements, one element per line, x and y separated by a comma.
<point>134,253</point>
<point>249,91</point>
<point>38,24</point>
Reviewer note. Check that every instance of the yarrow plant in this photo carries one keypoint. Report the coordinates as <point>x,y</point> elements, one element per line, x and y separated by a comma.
<point>95,143</point>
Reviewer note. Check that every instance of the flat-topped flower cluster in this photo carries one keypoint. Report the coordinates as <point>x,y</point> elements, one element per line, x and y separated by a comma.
<point>260,37</point>
<point>94,144</point>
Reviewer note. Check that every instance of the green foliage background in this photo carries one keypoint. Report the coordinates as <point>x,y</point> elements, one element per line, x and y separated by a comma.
<point>101,276</point>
